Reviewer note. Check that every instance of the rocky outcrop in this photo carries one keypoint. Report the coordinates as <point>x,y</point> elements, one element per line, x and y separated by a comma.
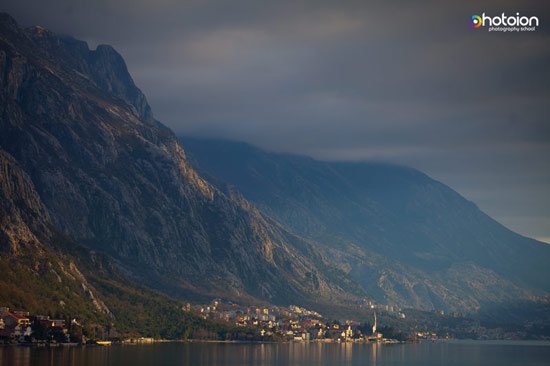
<point>23,217</point>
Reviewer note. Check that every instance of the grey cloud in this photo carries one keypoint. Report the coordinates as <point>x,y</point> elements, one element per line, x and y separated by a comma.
<point>393,81</point>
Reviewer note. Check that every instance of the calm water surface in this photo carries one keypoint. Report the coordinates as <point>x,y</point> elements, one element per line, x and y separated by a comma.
<point>450,353</point>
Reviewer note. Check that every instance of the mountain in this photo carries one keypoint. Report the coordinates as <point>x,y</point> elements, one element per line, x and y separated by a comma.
<point>104,214</point>
<point>406,238</point>
<point>88,172</point>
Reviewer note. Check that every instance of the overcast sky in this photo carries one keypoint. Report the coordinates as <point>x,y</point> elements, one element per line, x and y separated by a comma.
<point>345,80</point>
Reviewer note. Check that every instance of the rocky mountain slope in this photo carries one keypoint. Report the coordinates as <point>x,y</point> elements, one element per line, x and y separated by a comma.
<point>102,211</point>
<point>106,175</point>
<point>405,237</point>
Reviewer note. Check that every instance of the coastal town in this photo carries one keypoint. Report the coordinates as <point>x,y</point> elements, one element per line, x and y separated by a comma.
<point>266,323</point>
<point>221,320</point>
<point>292,323</point>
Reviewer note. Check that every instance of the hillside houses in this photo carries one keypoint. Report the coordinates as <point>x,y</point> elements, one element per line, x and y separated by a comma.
<point>294,323</point>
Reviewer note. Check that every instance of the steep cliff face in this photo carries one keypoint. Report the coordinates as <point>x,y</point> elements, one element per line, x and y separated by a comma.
<point>405,237</point>
<point>23,218</point>
<point>34,274</point>
<point>117,181</point>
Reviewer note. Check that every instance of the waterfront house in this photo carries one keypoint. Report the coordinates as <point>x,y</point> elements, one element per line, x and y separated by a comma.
<point>16,324</point>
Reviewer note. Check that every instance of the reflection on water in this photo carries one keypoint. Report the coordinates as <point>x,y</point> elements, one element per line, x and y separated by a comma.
<point>183,354</point>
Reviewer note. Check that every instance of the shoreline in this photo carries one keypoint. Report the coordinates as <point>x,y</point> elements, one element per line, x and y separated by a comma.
<point>510,342</point>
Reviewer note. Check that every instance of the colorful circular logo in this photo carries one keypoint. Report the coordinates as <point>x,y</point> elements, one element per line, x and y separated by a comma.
<point>475,21</point>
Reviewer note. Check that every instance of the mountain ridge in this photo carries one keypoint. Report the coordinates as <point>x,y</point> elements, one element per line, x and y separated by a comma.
<point>388,212</point>
<point>105,186</point>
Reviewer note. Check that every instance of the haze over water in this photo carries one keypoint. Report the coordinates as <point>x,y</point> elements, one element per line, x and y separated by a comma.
<point>208,354</point>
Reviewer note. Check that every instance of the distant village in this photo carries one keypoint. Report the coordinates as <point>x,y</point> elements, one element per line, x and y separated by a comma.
<point>293,323</point>
<point>264,323</point>
<point>271,323</point>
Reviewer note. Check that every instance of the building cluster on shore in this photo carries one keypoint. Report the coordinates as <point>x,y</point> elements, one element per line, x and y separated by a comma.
<point>293,323</point>
<point>269,323</point>
<point>22,327</point>
<point>227,321</point>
